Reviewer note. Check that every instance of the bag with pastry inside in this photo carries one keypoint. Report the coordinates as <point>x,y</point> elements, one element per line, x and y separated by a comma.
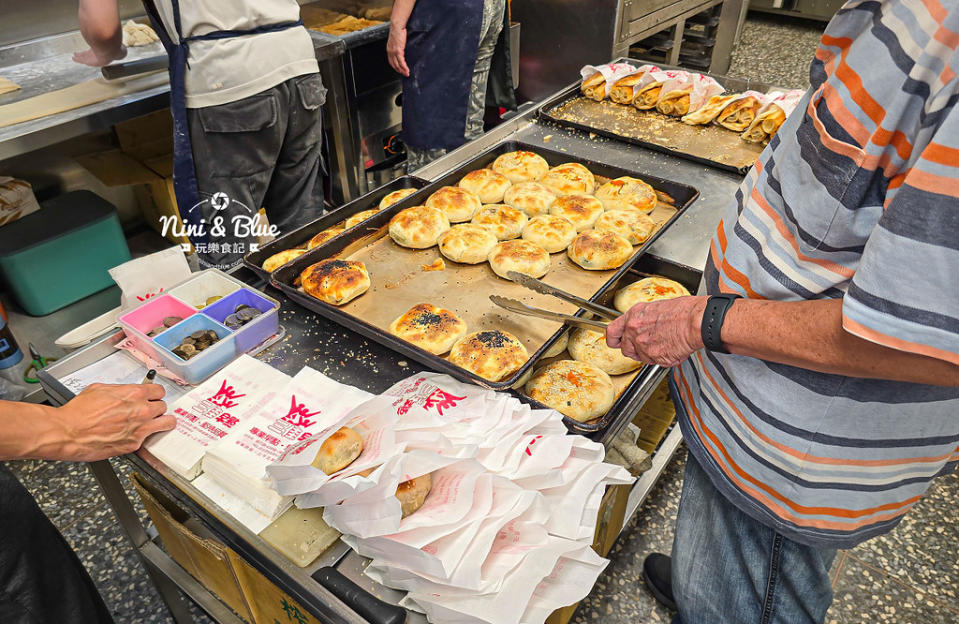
<point>739,112</point>
<point>650,88</point>
<point>598,79</point>
<point>683,94</point>
<point>624,90</point>
<point>575,506</point>
<point>772,116</point>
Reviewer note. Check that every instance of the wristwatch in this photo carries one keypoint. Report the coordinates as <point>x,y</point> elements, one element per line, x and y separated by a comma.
<point>711,329</point>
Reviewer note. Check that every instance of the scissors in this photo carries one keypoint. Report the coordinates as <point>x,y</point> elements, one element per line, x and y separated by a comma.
<point>30,375</point>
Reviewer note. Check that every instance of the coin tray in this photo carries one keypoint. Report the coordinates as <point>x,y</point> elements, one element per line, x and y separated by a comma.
<point>203,285</point>
<point>142,320</point>
<point>257,330</point>
<point>208,361</point>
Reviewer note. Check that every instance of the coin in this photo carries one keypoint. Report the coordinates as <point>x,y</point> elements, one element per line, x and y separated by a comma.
<point>198,335</point>
<point>156,331</point>
<point>211,335</point>
<point>188,340</point>
<point>212,300</point>
<point>247,314</point>
<point>233,322</point>
<point>170,321</point>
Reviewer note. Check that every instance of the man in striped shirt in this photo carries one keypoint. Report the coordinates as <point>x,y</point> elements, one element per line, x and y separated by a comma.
<point>827,399</point>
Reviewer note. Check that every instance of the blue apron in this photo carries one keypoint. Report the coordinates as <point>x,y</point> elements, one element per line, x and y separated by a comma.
<point>184,170</point>
<point>441,48</point>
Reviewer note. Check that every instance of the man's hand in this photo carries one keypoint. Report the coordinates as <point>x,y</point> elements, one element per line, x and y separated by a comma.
<point>662,332</point>
<point>91,58</point>
<point>396,50</point>
<point>108,420</point>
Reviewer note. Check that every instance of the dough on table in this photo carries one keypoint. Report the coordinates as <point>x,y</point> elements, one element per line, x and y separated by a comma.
<point>6,86</point>
<point>136,34</point>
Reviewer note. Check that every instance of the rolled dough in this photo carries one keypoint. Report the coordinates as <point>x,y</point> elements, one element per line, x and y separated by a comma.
<point>136,34</point>
<point>6,86</point>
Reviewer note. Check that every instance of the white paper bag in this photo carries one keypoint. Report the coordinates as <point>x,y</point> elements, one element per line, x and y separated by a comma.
<point>612,72</point>
<point>570,581</point>
<point>575,506</point>
<point>150,276</point>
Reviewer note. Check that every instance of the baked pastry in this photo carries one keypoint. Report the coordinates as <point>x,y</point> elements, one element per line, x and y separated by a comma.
<point>632,225</point>
<point>676,102</point>
<point>552,233</point>
<point>429,327</point>
<point>589,346</point>
<point>594,87</point>
<point>708,111</point>
<point>394,197</point>
<point>467,243</point>
<point>521,256</point>
<point>578,390</point>
<point>765,126</point>
<point>359,217</point>
<point>599,251</point>
<point>412,494</point>
<point>457,203</point>
<point>646,290</point>
<point>418,227</point>
<point>531,197</point>
<point>503,221</point>
<point>558,347</point>
<point>738,115</point>
<point>646,98</point>
<point>491,354</point>
<point>579,209</point>
<point>623,89</point>
<point>335,281</point>
<point>338,451</point>
<point>486,184</point>
<point>325,235</point>
<point>627,193</point>
<point>569,178</point>
<point>521,166</point>
<point>279,259</point>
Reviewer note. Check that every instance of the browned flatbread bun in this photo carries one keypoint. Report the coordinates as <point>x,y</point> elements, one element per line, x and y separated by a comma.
<point>486,184</point>
<point>599,251</point>
<point>632,225</point>
<point>490,354</point>
<point>521,256</point>
<point>279,259</point>
<point>580,209</point>
<point>457,203</point>
<point>418,227</point>
<point>501,220</point>
<point>338,451</point>
<point>552,233</point>
<point>429,327</point>
<point>325,235</point>
<point>359,217</point>
<point>521,166</point>
<point>569,178</point>
<point>627,193</point>
<point>578,390</point>
<point>468,243</point>
<point>589,346</point>
<point>394,197</point>
<point>412,494</point>
<point>594,87</point>
<point>335,281</point>
<point>531,197</point>
<point>647,290</point>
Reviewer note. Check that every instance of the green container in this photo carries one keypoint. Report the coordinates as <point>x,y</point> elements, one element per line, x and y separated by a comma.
<point>62,252</point>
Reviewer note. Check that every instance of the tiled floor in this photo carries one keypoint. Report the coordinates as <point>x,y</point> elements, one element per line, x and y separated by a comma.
<point>909,576</point>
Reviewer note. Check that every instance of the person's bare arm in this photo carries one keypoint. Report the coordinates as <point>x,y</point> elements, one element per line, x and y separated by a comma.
<point>100,27</point>
<point>396,44</point>
<point>102,421</point>
<point>806,334</point>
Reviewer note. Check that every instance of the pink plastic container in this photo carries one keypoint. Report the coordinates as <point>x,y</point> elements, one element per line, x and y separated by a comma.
<point>139,322</point>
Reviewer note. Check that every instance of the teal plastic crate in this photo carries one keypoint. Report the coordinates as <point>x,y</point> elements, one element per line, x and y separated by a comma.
<point>62,252</point>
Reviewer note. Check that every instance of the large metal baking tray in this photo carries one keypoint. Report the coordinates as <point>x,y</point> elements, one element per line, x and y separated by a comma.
<point>400,281</point>
<point>254,260</point>
<point>710,145</point>
<point>633,388</point>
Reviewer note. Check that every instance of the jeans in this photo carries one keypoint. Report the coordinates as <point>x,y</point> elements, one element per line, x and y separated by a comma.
<point>728,567</point>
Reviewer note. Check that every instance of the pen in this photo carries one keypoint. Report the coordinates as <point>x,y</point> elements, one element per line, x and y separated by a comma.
<point>149,378</point>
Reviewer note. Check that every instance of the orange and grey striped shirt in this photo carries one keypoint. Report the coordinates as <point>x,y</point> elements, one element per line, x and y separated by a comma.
<point>856,198</point>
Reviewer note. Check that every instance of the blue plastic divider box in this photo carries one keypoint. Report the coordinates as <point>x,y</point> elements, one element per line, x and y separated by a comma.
<point>187,300</point>
<point>63,252</point>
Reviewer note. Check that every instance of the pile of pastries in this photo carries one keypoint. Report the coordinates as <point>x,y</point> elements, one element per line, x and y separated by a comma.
<point>695,98</point>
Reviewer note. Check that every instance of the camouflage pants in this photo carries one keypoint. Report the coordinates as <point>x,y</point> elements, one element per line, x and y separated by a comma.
<point>493,11</point>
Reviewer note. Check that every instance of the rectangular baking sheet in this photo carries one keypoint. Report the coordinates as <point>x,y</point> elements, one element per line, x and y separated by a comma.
<point>299,237</point>
<point>401,277</point>
<point>710,144</point>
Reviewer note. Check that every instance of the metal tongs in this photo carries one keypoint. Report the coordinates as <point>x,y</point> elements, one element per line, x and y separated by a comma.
<point>545,289</point>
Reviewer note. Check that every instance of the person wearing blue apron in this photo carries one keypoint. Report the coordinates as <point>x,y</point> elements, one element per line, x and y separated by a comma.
<point>245,95</point>
<point>444,49</point>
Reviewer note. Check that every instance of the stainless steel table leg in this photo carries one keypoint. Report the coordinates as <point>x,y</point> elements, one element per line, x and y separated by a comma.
<point>726,35</point>
<point>677,42</point>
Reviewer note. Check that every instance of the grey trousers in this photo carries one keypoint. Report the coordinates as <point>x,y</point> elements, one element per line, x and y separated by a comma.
<point>261,151</point>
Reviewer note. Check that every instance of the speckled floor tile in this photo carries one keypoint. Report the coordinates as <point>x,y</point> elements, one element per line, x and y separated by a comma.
<point>864,594</point>
<point>64,490</point>
<point>923,551</point>
<point>776,50</point>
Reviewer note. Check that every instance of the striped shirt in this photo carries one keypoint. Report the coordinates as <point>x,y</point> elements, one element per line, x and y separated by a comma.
<point>857,198</point>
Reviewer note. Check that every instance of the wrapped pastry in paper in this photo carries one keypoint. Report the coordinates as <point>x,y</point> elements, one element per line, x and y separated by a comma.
<point>738,114</point>
<point>624,90</point>
<point>684,94</point>
<point>599,79</point>
<point>709,111</point>
<point>772,116</point>
<point>651,87</point>
<point>208,413</point>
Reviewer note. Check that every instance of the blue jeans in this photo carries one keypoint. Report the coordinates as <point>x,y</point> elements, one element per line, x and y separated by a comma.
<point>728,567</point>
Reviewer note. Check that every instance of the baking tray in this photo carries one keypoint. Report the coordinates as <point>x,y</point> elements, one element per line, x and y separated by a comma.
<point>254,260</point>
<point>400,279</point>
<point>710,145</point>
<point>629,387</point>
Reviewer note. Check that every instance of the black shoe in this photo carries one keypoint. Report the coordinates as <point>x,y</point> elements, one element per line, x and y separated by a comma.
<point>657,572</point>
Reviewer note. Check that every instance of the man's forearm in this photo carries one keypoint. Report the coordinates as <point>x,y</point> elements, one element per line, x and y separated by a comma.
<point>401,13</point>
<point>100,26</point>
<point>809,334</point>
<point>30,431</point>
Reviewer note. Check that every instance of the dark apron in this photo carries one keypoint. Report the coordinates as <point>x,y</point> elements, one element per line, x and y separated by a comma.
<point>442,43</point>
<point>184,170</point>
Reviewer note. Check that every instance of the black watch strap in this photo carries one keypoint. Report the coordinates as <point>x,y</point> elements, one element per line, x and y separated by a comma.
<point>716,308</point>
